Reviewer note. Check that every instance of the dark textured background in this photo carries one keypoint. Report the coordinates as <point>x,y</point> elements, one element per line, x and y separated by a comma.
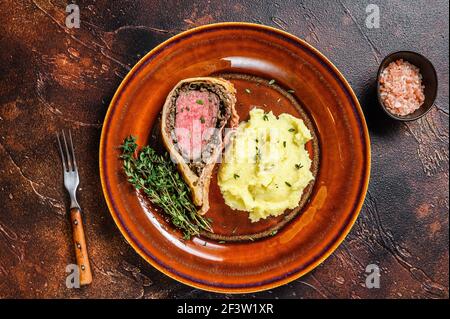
<point>53,78</point>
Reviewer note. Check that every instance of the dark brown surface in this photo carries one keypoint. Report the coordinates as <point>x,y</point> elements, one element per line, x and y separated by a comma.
<point>54,78</point>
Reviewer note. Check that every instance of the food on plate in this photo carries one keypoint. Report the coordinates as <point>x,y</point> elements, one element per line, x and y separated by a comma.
<point>266,166</point>
<point>157,177</point>
<point>194,117</point>
<point>401,88</point>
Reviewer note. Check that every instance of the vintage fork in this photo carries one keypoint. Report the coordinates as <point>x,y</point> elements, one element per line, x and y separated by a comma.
<point>71,181</point>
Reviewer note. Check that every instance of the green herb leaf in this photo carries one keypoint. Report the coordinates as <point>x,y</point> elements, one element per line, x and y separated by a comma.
<point>236,176</point>
<point>274,232</point>
<point>292,130</point>
<point>271,81</point>
<point>202,120</point>
<point>290,91</point>
<point>199,102</point>
<point>284,144</point>
<point>265,117</point>
<point>288,184</point>
<point>298,166</point>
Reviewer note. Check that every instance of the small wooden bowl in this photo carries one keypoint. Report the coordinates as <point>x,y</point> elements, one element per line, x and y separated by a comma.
<point>429,80</point>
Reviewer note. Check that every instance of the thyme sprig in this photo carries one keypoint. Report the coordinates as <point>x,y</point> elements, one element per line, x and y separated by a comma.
<point>157,176</point>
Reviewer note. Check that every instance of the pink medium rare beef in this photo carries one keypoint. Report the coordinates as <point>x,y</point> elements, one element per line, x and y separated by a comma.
<point>195,121</point>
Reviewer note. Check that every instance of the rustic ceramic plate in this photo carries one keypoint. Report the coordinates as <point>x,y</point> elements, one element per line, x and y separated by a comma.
<point>308,86</point>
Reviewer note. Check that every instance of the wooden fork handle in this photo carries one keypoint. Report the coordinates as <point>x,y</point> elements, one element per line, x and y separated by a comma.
<point>79,242</point>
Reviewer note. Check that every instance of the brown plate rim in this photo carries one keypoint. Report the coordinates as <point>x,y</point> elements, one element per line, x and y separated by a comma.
<point>268,283</point>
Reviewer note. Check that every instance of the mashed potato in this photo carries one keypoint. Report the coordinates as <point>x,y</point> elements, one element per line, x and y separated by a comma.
<point>266,166</point>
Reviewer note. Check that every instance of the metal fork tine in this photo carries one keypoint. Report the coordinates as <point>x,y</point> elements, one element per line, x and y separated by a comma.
<point>75,167</point>
<point>69,159</point>
<point>63,160</point>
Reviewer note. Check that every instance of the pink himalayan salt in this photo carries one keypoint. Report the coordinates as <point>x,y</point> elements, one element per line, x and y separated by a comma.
<point>401,88</point>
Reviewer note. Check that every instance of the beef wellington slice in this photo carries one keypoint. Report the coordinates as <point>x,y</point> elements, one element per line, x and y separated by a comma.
<point>193,127</point>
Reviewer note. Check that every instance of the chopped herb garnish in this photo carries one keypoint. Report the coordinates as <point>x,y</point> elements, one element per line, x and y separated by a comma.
<point>292,130</point>
<point>236,176</point>
<point>265,117</point>
<point>288,184</point>
<point>202,119</point>
<point>248,91</point>
<point>271,81</point>
<point>256,141</point>
<point>291,91</point>
<point>298,166</point>
<point>222,242</point>
<point>274,232</point>
<point>284,144</point>
<point>199,102</point>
